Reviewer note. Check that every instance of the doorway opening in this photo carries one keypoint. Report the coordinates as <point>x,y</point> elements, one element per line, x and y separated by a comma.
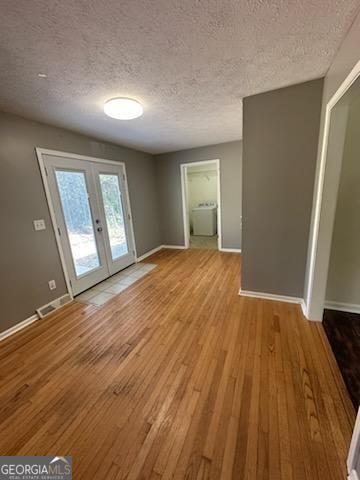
<point>90,211</point>
<point>333,283</point>
<point>342,299</point>
<point>201,202</point>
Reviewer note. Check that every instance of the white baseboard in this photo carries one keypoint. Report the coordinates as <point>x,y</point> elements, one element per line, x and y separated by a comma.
<point>181,247</point>
<point>150,252</point>
<point>230,250</point>
<point>58,303</point>
<point>343,307</point>
<point>18,327</point>
<point>304,308</point>
<point>157,249</point>
<point>270,296</point>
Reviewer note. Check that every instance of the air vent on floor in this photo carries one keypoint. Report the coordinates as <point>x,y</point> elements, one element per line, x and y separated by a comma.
<point>54,305</point>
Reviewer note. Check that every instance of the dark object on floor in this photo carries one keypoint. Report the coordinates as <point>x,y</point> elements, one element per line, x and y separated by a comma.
<point>343,332</point>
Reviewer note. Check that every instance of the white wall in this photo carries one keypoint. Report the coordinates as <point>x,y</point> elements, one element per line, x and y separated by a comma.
<point>202,187</point>
<point>343,285</point>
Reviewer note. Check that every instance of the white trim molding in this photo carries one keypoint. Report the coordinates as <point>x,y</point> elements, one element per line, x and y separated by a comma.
<point>19,326</point>
<point>353,459</point>
<point>56,153</point>
<point>184,197</point>
<point>304,308</point>
<point>57,303</point>
<point>353,475</point>
<point>319,256</point>
<point>270,296</point>
<point>180,247</point>
<point>343,307</point>
<point>40,152</point>
<point>149,253</point>
<point>230,250</point>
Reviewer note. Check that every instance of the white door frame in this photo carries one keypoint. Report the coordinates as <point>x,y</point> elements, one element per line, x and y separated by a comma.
<point>320,238</point>
<point>44,151</point>
<point>96,274</point>
<point>354,451</point>
<point>184,196</point>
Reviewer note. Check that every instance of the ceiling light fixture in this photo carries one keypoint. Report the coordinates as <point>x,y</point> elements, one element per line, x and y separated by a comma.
<point>42,75</point>
<point>123,108</point>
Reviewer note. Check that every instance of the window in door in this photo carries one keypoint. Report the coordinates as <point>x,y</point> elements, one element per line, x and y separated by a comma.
<point>78,220</point>
<point>114,214</point>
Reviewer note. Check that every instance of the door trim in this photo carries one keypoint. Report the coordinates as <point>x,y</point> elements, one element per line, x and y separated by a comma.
<point>354,450</point>
<point>184,197</point>
<point>315,284</point>
<point>44,151</point>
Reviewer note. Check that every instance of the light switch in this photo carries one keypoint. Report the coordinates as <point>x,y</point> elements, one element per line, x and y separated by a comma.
<point>39,224</point>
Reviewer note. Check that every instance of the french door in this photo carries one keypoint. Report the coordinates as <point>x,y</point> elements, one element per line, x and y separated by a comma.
<point>92,218</point>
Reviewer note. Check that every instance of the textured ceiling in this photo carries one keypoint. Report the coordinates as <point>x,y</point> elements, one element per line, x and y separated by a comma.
<point>189,62</point>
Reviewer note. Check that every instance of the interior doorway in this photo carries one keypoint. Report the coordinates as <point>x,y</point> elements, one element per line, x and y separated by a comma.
<point>333,284</point>
<point>201,203</point>
<point>342,299</point>
<point>90,210</point>
<point>325,195</point>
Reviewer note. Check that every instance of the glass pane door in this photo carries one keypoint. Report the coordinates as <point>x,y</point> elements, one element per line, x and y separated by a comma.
<point>114,214</point>
<point>78,220</point>
<point>92,218</point>
<point>114,207</point>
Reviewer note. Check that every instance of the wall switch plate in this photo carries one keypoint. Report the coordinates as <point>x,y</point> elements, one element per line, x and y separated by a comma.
<point>52,284</point>
<point>39,224</point>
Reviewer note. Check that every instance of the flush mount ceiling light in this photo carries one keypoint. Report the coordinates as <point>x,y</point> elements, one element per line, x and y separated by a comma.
<point>123,108</point>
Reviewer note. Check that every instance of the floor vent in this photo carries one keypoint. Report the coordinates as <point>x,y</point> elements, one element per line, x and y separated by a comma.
<point>54,305</point>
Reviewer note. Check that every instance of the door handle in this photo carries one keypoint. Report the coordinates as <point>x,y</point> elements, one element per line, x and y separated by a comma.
<point>99,229</point>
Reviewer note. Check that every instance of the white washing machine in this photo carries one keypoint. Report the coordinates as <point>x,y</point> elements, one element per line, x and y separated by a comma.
<point>204,218</point>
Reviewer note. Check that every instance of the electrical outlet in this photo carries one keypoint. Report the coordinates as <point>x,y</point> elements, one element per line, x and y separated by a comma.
<point>39,224</point>
<point>52,284</point>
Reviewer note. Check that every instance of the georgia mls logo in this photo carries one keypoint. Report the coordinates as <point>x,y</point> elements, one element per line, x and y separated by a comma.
<point>62,465</point>
<point>57,459</point>
<point>35,468</point>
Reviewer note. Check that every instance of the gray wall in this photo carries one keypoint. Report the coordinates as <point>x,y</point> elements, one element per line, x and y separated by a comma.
<point>343,285</point>
<point>169,184</point>
<point>30,259</point>
<point>279,155</point>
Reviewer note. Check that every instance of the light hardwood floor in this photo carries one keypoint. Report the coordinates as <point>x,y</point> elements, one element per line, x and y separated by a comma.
<point>178,377</point>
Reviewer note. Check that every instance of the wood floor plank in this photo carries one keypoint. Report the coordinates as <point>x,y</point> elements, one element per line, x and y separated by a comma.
<point>178,377</point>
